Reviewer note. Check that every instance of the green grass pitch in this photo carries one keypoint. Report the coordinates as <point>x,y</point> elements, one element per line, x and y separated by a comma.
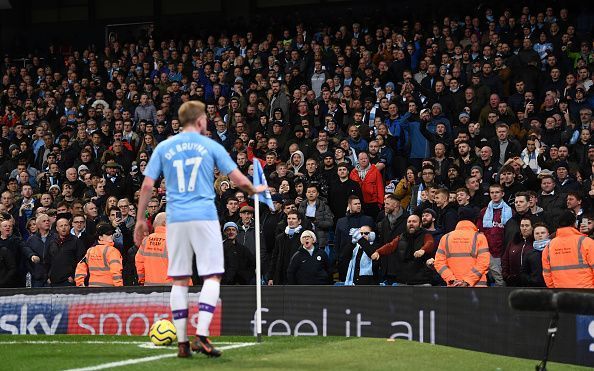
<point>66,352</point>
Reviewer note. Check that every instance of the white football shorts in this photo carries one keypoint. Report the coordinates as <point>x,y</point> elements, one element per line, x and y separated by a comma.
<point>200,237</point>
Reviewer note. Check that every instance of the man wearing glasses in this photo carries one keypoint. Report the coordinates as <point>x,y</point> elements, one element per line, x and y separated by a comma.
<point>79,230</point>
<point>127,219</point>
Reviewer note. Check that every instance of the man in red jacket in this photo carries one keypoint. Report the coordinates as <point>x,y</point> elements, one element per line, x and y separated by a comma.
<point>372,185</point>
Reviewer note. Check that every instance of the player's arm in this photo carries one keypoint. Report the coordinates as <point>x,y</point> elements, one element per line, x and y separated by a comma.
<point>146,190</point>
<point>239,179</point>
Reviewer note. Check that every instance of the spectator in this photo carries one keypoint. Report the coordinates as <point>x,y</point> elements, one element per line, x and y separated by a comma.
<point>240,263</point>
<point>340,191</point>
<point>552,200</point>
<point>286,245</point>
<point>342,242</point>
<point>447,215</point>
<point>63,253</point>
<point>393,221</point>
<point>309,265</point>
<point>8,268</point>
<point>12,247</point>
<point>360,271</point>
<point>518,247</point>
<point>531,269</point>
<point>145,110</point>
<point>318,213</point>
<point>247,235</point>
<point>371,183</point>
<point>491,222</point>
<point>404,187</point>
<point>411,250</point>
<point>34,251</point>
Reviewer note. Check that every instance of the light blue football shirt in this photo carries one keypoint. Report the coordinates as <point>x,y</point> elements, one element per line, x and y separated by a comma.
<point>188,161</point>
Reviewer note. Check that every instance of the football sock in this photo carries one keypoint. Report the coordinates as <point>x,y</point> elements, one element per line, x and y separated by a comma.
<point>178,299</point>
<point>207,305</point>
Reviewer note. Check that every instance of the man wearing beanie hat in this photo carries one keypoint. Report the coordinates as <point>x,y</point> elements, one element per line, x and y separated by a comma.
<point>309,265</point>
<point>565,182</point>
<point>240,264</point>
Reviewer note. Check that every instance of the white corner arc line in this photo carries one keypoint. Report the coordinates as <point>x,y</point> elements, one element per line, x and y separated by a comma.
<point>134,361</point>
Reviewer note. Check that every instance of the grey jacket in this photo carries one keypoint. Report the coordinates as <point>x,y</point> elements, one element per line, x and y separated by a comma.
<point>324,220</point>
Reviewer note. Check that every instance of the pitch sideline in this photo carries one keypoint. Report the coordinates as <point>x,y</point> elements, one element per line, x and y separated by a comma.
<point>134,361</point>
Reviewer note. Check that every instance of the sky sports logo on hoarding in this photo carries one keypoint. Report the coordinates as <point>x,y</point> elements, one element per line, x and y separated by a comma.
<point>129,319</point>
<point>585,337</point>
<point>21,319</point>
<point>94,318</point>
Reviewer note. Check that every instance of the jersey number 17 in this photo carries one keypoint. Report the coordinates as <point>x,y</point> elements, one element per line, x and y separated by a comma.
<point>181,176</point>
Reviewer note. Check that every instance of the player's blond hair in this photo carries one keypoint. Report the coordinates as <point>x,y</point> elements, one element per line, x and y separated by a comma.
<point>190,111</point>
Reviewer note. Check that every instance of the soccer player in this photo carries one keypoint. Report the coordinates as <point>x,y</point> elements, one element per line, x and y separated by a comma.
<point>188,161</point>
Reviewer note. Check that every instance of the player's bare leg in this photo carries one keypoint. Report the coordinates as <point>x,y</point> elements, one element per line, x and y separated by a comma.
<point>179,309</point>
<point>208,303</point>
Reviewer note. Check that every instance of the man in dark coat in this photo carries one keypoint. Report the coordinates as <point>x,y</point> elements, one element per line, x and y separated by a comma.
<point>64,252</point>
<point>309,265</point>
<point>286,245</point>
<point>410,251</point>
<point>240,264</point>
<point>8,268</point>
<point>341,189</point>
<point>391,221</point>
<point>14,246</point>
<point>36,249</point>
<point>447,215</point>
<point>342,240</point>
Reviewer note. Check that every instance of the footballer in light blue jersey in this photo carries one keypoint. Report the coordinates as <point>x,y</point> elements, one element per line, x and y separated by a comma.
<point>188,160</point>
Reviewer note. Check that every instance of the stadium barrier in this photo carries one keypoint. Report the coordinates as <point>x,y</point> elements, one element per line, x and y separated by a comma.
<point>476,319</point>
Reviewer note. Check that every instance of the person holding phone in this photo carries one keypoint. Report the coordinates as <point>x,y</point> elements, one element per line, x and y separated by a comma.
<point>123,241</point>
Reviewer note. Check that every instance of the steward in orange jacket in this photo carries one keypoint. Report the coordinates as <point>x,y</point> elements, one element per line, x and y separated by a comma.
<point>151,258</point>
<point>102,264</point>
<point>462,258</point>
<point>568,260</point>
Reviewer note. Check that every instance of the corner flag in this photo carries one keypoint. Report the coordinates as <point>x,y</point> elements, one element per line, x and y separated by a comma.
<point>259,179</point>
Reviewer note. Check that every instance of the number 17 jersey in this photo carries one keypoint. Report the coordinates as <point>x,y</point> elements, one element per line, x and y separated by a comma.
<point>188,160</point>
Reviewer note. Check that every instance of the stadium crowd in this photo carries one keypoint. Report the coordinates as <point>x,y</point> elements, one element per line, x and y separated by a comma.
<point>378,138</point>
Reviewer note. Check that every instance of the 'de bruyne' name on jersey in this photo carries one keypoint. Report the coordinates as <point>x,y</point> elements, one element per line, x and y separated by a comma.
<point>185,147</point>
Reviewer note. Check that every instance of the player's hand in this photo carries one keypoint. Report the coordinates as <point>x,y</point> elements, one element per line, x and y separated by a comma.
<point>261,188</point>
<point>35,259</point>
<point>375,256</point>
<point>419,253</point>
<point>140,231</point>
<point>430,262</point>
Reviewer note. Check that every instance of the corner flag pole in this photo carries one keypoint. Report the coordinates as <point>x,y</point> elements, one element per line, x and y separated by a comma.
<point>259,179</point>
<point>258,323</point>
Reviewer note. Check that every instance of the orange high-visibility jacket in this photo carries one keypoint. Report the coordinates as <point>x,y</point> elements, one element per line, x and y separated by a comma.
<point>463,254</point>
<point>568,260</point>
<point>151,259</point>
<point>103,264</point>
